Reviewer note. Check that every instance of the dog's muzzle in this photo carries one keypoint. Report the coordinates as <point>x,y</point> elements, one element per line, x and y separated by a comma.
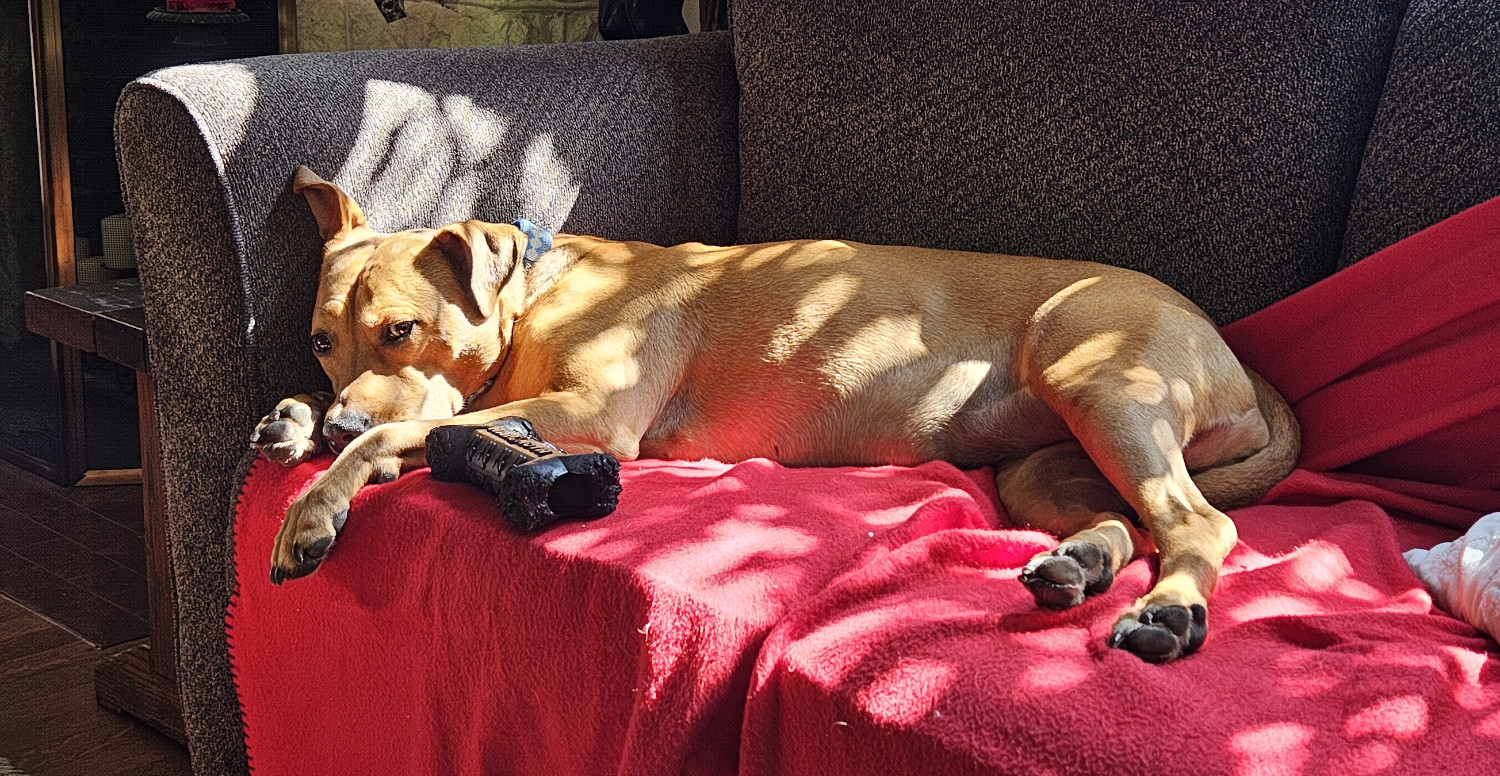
<point>340,431</point>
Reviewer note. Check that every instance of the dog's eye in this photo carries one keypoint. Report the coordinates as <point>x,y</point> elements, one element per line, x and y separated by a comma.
<point>321,344</point>
<point>398,331</point>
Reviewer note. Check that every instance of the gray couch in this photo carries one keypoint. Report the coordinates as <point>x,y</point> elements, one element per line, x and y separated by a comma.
<point>1238,150</point>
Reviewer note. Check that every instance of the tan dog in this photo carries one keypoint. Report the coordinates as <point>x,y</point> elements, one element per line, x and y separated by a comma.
<point>1107,401</point>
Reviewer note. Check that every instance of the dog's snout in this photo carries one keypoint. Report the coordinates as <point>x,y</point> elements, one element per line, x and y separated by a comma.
<point>344,427</point>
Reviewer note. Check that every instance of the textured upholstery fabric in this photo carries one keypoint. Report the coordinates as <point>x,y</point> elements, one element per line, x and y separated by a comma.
<point>1213,145</point>
<point>196,323</point>
<point>1435,146</point>
<point>631,140</point>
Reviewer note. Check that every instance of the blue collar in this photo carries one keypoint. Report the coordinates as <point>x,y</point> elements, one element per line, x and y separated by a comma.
<point>538,241</point>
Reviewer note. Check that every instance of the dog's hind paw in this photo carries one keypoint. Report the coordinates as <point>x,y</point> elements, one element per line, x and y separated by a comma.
<point>293,432</point>
<point>1160,633</point>
<point>1061,579</point>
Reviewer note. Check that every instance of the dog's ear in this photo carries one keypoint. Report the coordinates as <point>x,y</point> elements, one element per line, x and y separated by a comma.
<point>483,257</point>
<point>335,211</point>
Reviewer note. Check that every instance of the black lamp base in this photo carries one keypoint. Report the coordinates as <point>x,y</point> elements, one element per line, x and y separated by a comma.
<point>198,30</point>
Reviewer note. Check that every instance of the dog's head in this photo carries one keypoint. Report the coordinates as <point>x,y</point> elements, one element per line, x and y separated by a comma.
<point>412,324</point>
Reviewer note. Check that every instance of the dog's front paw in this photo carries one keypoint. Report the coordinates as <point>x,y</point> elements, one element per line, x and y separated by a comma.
<point>1161,632</point>
<point>312,525</point>
<point>293,432</point>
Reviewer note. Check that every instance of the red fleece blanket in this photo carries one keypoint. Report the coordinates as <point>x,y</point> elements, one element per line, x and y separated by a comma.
<point>443,642</point>
<point>821,621</point>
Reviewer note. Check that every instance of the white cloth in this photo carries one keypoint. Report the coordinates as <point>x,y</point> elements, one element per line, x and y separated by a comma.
<point>1464,575</point>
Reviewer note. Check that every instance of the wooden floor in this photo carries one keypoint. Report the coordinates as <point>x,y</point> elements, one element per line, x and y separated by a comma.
<point>49,723</point>
<point>76,555</point>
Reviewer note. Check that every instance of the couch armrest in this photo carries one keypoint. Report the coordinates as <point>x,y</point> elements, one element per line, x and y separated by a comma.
<point>623,139</point>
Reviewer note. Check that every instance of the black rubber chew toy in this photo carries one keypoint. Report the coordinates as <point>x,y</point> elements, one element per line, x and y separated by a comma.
<point>535,484</point>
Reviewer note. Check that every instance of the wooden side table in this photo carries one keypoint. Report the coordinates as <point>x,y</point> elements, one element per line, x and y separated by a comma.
<point>109,319</point>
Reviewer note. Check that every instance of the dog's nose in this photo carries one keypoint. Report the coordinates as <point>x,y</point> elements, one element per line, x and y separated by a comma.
<point>345,427</point>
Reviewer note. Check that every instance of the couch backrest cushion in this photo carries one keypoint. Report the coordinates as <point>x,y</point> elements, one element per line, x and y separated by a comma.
<point>1435,146</point>
<point>1211,144</point>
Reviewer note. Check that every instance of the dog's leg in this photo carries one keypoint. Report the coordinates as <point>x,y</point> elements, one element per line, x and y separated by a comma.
<point>314,520</point>
<point>1058,489</point>
<point>293,432</point>
<point>1136,381</point>
<point>1139,449</point>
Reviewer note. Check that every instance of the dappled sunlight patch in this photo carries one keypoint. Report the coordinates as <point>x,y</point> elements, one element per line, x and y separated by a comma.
<point>839,644</point>
<point>583,280</point>
<point>721,484</point>
<point>728,544</point>
<point>843,642</point>
<point>1489,727</point>
<point>1006,557</point>
<point>908,691</point>
<point>1058,298</point>
<point>611,354</point>
<point>885,343</point>
<point>1246,558</point>
<point>1317,576</point>
<point>1167,493</point>
<point>403,129</point>
<point>421,158</point>
<point>1060,640</point>
<point>1467,673</point>
<point>1403,656</point>
<point>475,133</point>
<point>763,254</point>
<point>1367,759</point>
<point>1146,385</point>
<point>546,188</point>
<point>745,548</point>
<point>1403,717</point>
<point>1319,566</point>
<point>602,542</point>
<point>873,473</point>
<point>1049,677</point>
<point>1275,605</point>
<point>952,389</point>
<point>1079,364</point>
<point>235,96</point>
<point>1272,749</point>
<point>1307,673</point>
<point>820,303</point>
<point>816,253</point>
<point>1359,591</point>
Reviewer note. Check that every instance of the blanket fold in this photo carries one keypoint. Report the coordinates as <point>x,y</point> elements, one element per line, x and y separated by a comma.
<point>1393,365</point>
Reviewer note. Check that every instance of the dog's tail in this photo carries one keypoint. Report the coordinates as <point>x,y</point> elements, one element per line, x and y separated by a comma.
<point>1244,482</point>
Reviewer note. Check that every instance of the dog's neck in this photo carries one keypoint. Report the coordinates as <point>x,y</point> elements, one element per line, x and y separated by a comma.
<point>483,389</point>
<point>540,276</point>
<point>550,266</point>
